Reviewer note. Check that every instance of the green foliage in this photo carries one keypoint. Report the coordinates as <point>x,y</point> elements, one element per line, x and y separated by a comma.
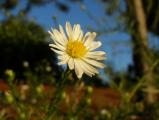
<point>23,40</point>
<point>9,4</point>
<point>24,48</point>
<point>34,99</point>
<point>152,15</point>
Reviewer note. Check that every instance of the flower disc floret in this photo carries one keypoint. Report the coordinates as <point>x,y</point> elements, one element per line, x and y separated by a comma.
<point>76,49</point>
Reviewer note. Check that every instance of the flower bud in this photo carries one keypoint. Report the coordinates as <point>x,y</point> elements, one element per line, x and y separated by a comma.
<point>88,101</point>
<point>9,97</point>
<point>40,89</point>
<point>63,95</point>
<point>89,89</point>
<point>10,74</point>
<point>22,115</point>
<point>105,112</point>
<point>48,68</point>
<point>26,64</point>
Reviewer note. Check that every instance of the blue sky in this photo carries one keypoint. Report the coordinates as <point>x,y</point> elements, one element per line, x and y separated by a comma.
<point>118,54</point>
<point>115,44</point>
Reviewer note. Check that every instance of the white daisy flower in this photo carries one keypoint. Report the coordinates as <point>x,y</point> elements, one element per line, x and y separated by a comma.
<point>77,49</point>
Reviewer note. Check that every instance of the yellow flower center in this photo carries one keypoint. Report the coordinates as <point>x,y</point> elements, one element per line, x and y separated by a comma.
<point>76,49</point>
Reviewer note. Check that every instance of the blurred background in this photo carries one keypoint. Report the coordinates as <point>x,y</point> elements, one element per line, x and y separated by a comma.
<point>24,37</point>
<point>128,30</point>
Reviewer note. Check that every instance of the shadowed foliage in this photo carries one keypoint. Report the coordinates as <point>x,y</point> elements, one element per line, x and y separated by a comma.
<point>23,40</point>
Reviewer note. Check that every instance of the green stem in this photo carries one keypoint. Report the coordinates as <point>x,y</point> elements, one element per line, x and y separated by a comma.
<point>140,83</point>
<point>52,107</point>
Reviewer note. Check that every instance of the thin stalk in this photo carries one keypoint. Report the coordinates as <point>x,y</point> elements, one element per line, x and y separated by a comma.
<point>142,80</point>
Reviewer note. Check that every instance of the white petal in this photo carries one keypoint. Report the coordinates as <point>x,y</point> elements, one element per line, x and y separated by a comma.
<point>88,68</point>
<point>86,36</point>
<point>76,32</point>
<point>50,33</point>
<point>62,32</point>
<point>59,44</point>
<point>62,57</point>
<point>96,53</point>
<point>94,45</point>
<point>100,57</point>
<point>81,35</point>
<point>78,69</point>
<point>69,30</point>
<point>59,37</point>
<point>94,63</point>
<point>57,51</point>
<point>59,47</point>
<point>90,38</point>
<point>63,62</point>
<point>71,64</point>
<point>85,68</point>
<point>52,36</point>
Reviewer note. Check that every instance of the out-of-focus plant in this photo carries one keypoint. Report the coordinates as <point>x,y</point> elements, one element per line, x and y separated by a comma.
<point>78,52</point>
<point>19,38</point>
<point>35,99</point>
<point>54,101</point>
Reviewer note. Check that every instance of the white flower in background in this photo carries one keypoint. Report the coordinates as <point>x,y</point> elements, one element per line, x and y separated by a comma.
<point>26,64</point>
<point>77,49</point>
